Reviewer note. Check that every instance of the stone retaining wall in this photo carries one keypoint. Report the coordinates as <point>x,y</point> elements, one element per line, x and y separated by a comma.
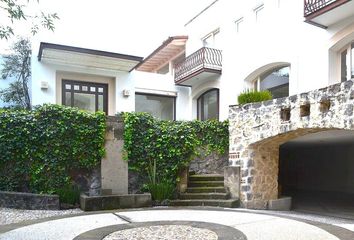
<point>29,201</point>
<point>257,130</point>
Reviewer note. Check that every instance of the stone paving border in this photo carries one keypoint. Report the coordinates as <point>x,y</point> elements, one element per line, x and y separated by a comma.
<point>223,232</point>
<point>339,232</point>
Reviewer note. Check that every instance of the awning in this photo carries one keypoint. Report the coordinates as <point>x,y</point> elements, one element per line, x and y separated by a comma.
<point>88,58</point>
<point>169,49</point>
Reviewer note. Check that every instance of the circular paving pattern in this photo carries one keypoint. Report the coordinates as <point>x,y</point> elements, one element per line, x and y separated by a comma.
<point>164,232</point>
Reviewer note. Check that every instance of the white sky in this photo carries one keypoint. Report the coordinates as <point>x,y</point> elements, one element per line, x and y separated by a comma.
<point>135,27</point>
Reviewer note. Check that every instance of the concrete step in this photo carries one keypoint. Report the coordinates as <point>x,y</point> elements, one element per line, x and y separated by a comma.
<point>206,190</point>
<point>185,196</point>
<point>231,203</point>
<point>206,184</point>
<point>206,177</point>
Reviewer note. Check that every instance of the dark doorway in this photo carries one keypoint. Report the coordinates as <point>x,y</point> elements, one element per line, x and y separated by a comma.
<point>317,171</point>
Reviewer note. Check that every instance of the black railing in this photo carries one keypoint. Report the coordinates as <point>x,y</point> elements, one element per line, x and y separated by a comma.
<point>204,58</point>
<point>312,6</point>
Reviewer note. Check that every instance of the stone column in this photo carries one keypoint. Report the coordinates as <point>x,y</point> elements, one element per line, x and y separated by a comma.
<point>114,169</point>
<point>232,180</point>
<point>183,180</point>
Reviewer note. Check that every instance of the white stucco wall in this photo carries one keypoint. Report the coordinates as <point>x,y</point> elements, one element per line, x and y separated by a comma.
<point>279,36</point>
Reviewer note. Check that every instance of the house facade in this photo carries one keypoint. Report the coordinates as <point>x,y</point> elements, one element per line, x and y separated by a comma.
<point>228,48</point>
<point>287,47</point>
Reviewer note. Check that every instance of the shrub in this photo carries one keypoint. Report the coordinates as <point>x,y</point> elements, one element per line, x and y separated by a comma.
<point>161,191</point>
<point>254,96</point>
<point>40,147</point>
<point>69,194</point>
<point>159,149</point>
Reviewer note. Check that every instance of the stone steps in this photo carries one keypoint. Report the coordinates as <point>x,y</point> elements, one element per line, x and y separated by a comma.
<point>206,177</point>
<point>223,196</point>
<point>205,183</point>
<point>228,203</point>
<point>205,190</point>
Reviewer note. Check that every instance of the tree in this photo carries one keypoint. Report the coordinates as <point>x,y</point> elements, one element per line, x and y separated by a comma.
<point>16,12</point>
<point>17,65</point>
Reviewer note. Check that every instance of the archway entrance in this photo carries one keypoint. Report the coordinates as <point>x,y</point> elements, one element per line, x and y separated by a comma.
<point>316,170</point>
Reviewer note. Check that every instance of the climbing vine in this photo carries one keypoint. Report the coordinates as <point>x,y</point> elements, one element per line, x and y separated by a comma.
<point>40,147</point>
<point>169,145</point>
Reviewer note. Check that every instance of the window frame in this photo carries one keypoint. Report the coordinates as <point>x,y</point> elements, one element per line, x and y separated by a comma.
<point>258,80</point>
<point>88,84</point>
<point>212,36</point>
<point>159,95</point>
<point>349,60</point>
<point>237,24</point>
<point>200,112</point>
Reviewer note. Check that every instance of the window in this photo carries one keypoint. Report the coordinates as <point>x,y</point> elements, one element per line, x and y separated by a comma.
<point>276,81</point>
<point>85,95</point>
<point>347,63</point>
<point>211,40</point>
<point>208,105</point>
<point>162,107</point>
<point>239,24</point>
<point>259,11</point>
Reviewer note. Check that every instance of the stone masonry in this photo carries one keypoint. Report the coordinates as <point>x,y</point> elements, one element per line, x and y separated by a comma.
<point>258,129</point>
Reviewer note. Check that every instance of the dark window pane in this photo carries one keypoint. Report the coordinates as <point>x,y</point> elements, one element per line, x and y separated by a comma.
<point>67,99</point>
<point>352,60</point>
<point>100,103</point>
<point>275,80</point>
<point>343,65</point>
<point>158,106</point>
<point>208,105</point>
<point>85,101</point>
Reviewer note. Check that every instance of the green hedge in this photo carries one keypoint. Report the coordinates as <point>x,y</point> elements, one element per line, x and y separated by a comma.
<point>169,145</point>
<point>253,96</point>
<point>40,147</point>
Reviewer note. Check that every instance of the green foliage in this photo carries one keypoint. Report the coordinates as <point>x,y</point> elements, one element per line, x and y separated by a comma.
<point>159,149</point>
<point>161,191</point>
<point>253,96</point>
<point>17,65</point>
<point>16,11</point>
<point>39,148</point>
<point>69,194</point>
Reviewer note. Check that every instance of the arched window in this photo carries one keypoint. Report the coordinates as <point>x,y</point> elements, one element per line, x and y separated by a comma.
<point>347,62</point>
<point>275,80</point>
<point>208,105</point>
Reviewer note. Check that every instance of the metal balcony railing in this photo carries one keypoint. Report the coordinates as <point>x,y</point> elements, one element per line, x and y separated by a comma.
<point>203,59</point>
<point>312,6</point>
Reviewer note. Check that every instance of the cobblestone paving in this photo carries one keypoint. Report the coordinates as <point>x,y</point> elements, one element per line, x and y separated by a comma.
<point>9,215</point>
<point>167,232</point>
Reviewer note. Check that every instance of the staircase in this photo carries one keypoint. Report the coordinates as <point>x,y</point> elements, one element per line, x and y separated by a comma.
<point>205,190</point>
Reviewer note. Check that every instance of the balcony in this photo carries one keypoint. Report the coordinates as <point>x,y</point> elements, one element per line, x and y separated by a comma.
<point>323,13</point>
<point>202,65</point>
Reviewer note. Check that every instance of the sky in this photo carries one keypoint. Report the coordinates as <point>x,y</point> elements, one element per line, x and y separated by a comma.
<point>134,27</point>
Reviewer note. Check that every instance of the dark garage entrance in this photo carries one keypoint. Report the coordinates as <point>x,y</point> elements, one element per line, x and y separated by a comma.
<point>317,170</point>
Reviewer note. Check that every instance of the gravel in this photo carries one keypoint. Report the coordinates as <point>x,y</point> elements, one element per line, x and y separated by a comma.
<point>166,232</point>
<point>9,215</point>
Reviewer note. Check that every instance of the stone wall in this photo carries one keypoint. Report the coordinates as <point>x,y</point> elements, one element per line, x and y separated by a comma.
<point>257,130</point>
<point>209,163</point>
<point>29,201</point>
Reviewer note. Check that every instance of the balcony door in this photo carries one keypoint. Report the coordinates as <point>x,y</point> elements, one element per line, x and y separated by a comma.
<point>87,96</point>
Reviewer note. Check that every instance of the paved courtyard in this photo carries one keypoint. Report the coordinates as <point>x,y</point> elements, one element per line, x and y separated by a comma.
<point>182,223</point>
